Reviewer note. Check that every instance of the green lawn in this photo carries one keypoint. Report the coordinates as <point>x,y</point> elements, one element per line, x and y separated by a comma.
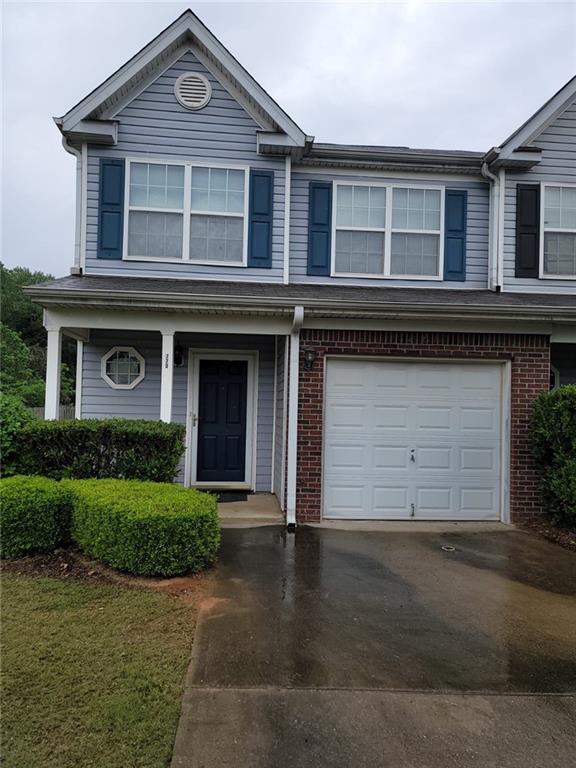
<point>92,675</point>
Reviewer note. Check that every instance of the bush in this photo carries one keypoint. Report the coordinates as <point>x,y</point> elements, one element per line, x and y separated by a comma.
<point>149,529</point>
<point>13,416</point>
<point>95,448</point>
<point>553,433</point>
<point>34,515</point>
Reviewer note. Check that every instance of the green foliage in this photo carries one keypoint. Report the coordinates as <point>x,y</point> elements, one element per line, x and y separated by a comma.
<point>13,416</point>
<point>34,515</point>
<point>149,529</point>
<point>553,433</point>
<point>18,311</point>
<point>16,375</point>
<point>99,448</point>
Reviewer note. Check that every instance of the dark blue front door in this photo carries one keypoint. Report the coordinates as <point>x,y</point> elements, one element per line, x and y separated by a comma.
<point>222,421</point>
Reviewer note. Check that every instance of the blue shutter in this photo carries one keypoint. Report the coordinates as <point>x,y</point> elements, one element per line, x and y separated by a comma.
<point>455,234</point>
<point>111,210</point>
<point>260,219</point>
<point>319,227</point>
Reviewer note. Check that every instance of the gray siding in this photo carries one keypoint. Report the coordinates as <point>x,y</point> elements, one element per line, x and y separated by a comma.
<point>155,125</point>
<point>280,430</point>
<point>558,164</point>
<point>477,235</point>
<point>143,402</point>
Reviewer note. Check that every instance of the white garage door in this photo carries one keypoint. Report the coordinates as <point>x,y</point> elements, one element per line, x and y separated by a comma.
<point>412,440</point>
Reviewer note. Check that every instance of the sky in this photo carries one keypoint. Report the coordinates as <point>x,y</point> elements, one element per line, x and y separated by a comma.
<point>446,75</point>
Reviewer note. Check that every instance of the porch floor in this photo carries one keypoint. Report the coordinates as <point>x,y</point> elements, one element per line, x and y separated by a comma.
<point>258,509</point>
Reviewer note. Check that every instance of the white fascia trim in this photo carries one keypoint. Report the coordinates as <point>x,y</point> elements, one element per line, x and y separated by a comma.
<point>287,195</point>
<point>293,416</point>
<point>332,174</point>
<point>186,24</point>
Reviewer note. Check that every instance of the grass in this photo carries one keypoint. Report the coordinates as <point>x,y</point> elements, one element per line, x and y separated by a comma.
<point>92,675</point>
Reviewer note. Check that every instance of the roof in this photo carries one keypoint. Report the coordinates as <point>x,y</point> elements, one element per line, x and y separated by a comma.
<point>318,300</point>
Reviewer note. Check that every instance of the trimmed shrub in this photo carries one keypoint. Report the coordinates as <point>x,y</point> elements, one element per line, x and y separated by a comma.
<point>148,529</point>
<point>101,448</point>
<point>13,416</point>
<point>34,515</point>
<point>553,433</point>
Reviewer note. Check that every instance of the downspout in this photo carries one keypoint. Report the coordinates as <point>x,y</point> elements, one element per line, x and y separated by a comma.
<point>494,215</point>
<point>79,223</point>
<point>293,418</point>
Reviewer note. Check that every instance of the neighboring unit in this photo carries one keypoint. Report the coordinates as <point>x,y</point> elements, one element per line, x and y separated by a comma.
<point>359,330</point>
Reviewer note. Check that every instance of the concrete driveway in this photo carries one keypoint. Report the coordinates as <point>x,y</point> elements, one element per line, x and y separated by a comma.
<point>450,646</point>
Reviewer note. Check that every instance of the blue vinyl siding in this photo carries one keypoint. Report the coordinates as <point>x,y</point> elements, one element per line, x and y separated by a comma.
<point>476,227</point>
<point>558,165</point>
<point>155,125</point>
<point>143,402</point>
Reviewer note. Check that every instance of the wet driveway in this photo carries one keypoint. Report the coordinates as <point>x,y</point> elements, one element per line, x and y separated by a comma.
<point>350,648</point>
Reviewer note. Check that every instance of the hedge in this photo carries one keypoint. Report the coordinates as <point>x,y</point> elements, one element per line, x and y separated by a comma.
<point>13,416</point>
<point>101,448</point>
<point>149,529</point>
<point>34,515</point>
<point>553,433</point>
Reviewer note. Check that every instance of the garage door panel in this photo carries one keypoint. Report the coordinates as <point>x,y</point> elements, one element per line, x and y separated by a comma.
<point>379,415</point>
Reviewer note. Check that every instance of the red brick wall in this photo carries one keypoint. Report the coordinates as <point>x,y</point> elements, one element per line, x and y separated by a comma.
<point>530,358</point>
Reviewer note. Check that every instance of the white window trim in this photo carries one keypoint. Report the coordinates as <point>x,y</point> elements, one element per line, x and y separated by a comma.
<point>109,354</point>
<point>387,231</point>
<point>543,187</point>
<point>186,211</point>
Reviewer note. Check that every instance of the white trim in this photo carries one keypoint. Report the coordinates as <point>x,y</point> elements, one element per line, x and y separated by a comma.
<point>500,230</point>
<point>84,211</point>
<point>112,351</point>
<point>274,409</point>
<point>53,360</point>
<point>79,371</point>
<point>544,185</point>
<point>186,211</point>
<point>294,373</point>
<point>505,418</point>
<point>167,376</point>
<point>287,207</point>
<point>191,463</point>
<point>332,172</point>
<point>388,230</point>
<point>282,499</point>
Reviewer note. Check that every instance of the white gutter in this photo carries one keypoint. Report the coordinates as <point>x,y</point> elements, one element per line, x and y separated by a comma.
<point>292,441</point>
<point>493,251</point>
<point>287,192</point>
<point>78,224</point>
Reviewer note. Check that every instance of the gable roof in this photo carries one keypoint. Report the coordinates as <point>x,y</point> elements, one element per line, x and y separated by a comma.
<point>519,145</point>
<point>145,66</point>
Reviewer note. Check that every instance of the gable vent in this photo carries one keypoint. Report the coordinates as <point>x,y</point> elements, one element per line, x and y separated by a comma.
<point>192,90</point>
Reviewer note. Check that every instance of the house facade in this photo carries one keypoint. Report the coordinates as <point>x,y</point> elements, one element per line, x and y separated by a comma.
<point>360,331</point>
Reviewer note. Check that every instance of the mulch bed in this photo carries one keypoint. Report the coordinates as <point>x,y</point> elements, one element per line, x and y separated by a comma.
<point>72,565</point>
<point>544,527</point>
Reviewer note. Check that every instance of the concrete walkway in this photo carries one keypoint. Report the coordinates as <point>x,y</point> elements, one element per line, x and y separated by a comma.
<point>448,647</point>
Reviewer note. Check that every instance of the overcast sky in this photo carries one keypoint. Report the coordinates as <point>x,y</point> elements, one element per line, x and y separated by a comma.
<point>454,75</point>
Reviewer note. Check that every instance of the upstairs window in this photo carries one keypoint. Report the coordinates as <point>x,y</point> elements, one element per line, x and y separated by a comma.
<point>186,212</point>
<point>559,232</point>
<point>388,231</point>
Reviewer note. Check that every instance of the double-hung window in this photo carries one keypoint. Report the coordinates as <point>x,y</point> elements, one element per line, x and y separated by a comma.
<point>185,211</point>
<point>388,231</point>
<point>559,232</point>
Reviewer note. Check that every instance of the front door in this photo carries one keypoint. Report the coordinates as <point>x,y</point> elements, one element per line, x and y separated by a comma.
<point>222,389</point>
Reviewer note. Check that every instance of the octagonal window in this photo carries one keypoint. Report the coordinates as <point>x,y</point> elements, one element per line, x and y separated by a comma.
<point>123,367</point>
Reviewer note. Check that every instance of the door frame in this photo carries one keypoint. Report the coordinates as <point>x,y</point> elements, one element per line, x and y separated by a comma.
<point>505,419</point>
<point>251,357</point>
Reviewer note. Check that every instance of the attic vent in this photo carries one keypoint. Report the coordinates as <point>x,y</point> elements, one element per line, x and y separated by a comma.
<point>192,90</point>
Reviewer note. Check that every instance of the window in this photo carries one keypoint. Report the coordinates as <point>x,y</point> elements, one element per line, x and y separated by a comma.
<point>122,367</point>
<point>386,231</point>
<point>559,232</point>
<point>186,212</point>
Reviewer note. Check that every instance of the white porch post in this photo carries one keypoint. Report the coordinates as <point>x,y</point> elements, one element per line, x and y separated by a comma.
<point>53,354</point>
<point>293,417</point>
<point>167,377</point>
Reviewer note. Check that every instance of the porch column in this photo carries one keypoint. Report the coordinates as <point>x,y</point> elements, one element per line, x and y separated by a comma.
<point>167,377</point>
<point>292,457</point>
<point>53,355</point>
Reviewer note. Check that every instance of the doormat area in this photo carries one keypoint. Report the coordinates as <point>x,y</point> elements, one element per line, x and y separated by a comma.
<point>227,496</point>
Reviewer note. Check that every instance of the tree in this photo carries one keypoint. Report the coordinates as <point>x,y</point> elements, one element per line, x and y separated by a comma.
<point>17,310</point>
